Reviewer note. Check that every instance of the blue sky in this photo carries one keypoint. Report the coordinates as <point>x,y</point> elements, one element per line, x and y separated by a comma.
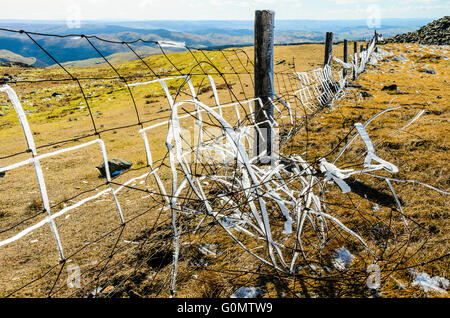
<point>220,9</point>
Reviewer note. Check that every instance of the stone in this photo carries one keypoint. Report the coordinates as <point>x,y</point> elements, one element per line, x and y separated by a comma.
<point>434,33</point>
<point>392,87</point>
<point>116,166</point>
<point>430,71</point>
<point>365,94</point>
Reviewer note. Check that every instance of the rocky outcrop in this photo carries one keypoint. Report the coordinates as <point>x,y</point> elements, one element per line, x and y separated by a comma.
<point>434,33</point>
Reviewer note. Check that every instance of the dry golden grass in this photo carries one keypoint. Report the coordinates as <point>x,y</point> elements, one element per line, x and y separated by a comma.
<point>421,153</point>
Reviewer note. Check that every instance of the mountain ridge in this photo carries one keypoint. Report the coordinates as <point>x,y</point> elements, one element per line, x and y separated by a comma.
<point>200,34</point>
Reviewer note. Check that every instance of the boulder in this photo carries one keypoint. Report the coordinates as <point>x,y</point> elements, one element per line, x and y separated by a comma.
<point>116,166</point>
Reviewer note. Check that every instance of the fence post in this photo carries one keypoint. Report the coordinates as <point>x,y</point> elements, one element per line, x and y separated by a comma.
<point>264,42</point>
<point>375,37</point>
<point>355,52</point>
<point>345,59</point>
<point>328,48</point>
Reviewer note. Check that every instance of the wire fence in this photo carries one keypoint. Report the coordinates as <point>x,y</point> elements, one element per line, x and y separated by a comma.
<point>193,174</point>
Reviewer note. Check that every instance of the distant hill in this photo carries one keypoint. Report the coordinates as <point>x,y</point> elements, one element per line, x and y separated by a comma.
<point>201,34</point>
<point>8,56</point>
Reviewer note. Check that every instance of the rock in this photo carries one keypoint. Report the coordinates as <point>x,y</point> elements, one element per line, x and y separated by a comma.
<point>4,80</point>
<point>56,95</point>
<point>2,174</point>
<point>434,33</point>
<point>116,166</point>
<point>365,94</point>
<point>392,87</point>
<point>430,71</point>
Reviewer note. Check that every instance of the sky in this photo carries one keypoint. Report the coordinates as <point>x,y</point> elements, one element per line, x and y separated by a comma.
<point>219,9</point>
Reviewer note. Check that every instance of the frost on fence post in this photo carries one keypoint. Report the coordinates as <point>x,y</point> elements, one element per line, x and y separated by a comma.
<point>328,48</point>
<point>264,43</point>
<point>344,72</point>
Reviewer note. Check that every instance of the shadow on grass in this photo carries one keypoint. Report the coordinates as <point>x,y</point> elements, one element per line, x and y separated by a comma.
<point>372,194</point>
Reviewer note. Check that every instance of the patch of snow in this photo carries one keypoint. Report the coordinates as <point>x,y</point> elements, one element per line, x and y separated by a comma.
<point>428,283</point>
<point>247,292</point>
<point>95,292</point>
<point>373,61</point>
<point>230,222</point>
<point>400,58</point>
<point>342,258</point>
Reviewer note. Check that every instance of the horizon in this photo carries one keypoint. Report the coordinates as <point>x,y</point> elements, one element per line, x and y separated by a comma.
<point>210,20</point>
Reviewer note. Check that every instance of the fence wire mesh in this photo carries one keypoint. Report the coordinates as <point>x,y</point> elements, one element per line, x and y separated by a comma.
<point>194,194</point>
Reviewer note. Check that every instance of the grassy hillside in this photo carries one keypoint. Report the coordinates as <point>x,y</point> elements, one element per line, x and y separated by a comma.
<point>8,56</point>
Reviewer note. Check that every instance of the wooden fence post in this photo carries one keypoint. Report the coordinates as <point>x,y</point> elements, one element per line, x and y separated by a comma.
<point>345,59</point>
<point>328,48</point>
<point>376,41</point>
<point>264,42</point>
<point>355,52</point>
